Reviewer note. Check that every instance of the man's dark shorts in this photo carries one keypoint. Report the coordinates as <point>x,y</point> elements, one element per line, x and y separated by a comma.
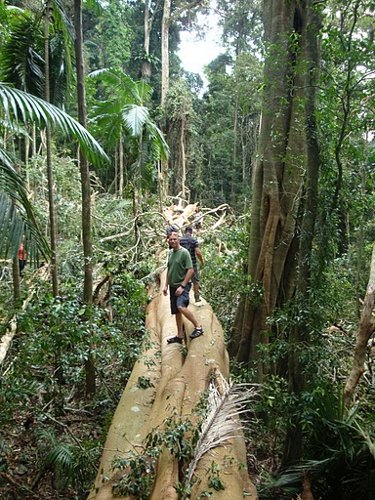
<point>181,301</point>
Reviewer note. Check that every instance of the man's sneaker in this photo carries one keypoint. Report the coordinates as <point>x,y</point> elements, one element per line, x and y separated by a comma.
<point>197,332</point>
<point>175,339</point>
<point>197,297</point>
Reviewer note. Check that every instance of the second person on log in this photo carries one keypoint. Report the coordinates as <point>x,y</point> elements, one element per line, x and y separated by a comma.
<point>179,273</point>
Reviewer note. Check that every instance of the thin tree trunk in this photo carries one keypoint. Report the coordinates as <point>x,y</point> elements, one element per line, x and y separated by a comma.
<point>165,51</point>
<point>52,218</point>
<point>234,151</point>
<point>146,69</point>
<point>34,140</point>
<point>116,171</point>
<point>163,172</point>
<point>183,159</point>
<point>16,283</point>
<point>85,188</point>
<point>366,329</point>
<point>121,169</point>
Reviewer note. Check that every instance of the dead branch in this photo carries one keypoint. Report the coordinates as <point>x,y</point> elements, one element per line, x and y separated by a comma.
<point>131,226</point>
<point>99,286</point>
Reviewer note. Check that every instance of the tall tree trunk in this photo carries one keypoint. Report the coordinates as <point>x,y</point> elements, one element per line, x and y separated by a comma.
<point>16,283</point>
<point>163,171</point>
<point>121,168</point>
<point>234,150</point>
<point>183,158</point>
<point>165,51</point>
<point>299,334</point>
<point>52,218</point>
<point>146,69</point>
<point>278,176</point>
<point>85,187</point>
<point>116,171</point>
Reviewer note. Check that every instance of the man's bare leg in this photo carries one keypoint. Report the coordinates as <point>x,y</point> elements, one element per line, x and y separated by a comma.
<point>188,315</point>
<point>180,332</point>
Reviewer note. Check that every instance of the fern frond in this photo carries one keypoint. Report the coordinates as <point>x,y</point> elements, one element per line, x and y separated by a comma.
<point>226,401</point>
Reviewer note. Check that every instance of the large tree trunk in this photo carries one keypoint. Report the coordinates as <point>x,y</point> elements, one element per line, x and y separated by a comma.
<point>51,200</point>
<point>85,187</point>
<point>177,383</point>
<point>278,174</point>
<point>300,334</point>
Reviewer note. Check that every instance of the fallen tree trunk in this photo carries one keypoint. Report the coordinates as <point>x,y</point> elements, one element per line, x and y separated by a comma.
<point>179,383</point>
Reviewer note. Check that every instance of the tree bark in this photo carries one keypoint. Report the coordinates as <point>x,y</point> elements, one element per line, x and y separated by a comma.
<point>163,171</point>
<point>165,51</point>
<point>299,334</point>
<point>183,158</point>
<point>176,388</point>
<point>278,173</point>
<point>121,169</point>
<point>146,70</point>
<point>366,329</point>
<point>51,201</point>
<point>85,187</point>
<point>16,282</point>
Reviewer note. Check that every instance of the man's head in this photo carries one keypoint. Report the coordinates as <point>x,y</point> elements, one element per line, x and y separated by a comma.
<point>174,240</point>
<point>170,229</point>
<point>189,230</point>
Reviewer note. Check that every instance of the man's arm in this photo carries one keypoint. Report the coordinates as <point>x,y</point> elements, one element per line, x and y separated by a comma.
<point>185,281</point>
<point>189,274</point>
<point>199,254</point>
<point>165,289</point>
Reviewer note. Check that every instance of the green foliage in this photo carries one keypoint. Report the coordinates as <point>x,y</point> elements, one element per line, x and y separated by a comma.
<point>140,468</point>
<point>111,35</point>
<point>21,61</point>
<point>73,463</point>
<point>122,116</point>
<point>21,107</point>
<point>340,461</point>
<point>214,481</point>
<point>57,336</point>
<point>223,277</point>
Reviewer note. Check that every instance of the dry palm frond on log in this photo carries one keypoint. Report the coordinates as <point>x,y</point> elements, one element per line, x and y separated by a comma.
<point>226,401</point>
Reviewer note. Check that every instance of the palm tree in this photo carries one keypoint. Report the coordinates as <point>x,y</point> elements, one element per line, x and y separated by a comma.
<point>19,108</point>
<point>125,120</point>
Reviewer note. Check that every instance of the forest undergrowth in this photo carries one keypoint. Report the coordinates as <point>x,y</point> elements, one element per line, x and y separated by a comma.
<point>52,434</point>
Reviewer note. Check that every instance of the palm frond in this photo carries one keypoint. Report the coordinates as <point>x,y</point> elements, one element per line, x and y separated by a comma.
<point>21,106</point>
<point>20,59</point>
<point>17,218</point>
<point>159,146</point>
<point>222,421</point>
<point>135,118</point>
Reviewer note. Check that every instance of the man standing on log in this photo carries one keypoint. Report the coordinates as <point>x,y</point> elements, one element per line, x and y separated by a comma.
<point>179,273</point>
<point>192,245</point>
